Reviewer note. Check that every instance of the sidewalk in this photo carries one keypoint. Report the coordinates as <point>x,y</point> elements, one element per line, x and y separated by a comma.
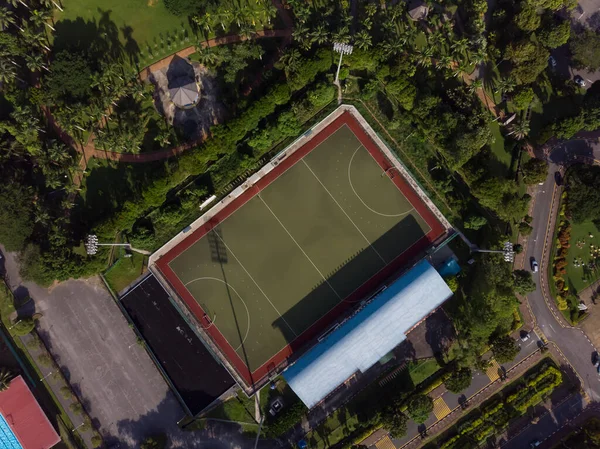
<point>56,383</point>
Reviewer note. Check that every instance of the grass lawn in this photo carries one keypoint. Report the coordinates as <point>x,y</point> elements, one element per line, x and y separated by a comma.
<point>499,150</point>
<point>584,249</point>
<point>125,271</point>
<point>137,23</point>
<point>337,426</point>
<point>422,369</point>
<point>420,40</point>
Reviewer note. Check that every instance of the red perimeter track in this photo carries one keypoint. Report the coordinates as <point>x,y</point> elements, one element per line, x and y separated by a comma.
<point>364,290</point>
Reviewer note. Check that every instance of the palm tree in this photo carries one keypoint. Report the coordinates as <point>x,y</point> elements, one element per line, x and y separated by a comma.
<point>520,130</point>
<point>424,57</point>
<point>8,71</point>
<point>224,17</point>
<point>290,61</point>
<point>35,62</point>
<point>475,85</point>
<point>505,85</point>
<point>393,47</point>
<point>7,18</point>
<point>320,35</point>
<point>371,9</point>
<point>206,56</point>
<point>204,22</point>
<point>445,62</point>
<point>342,35</point>
<point>460,69</point>
<point>460,46</point>
<point>5,377</point>
<point>363,40</point>
<point>163,138</point>
<point>41,17</point>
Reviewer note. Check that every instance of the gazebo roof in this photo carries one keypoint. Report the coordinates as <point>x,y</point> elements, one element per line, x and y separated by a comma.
<point>183,92</point>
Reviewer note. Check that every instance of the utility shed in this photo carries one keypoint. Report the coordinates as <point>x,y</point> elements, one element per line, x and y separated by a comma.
<point>366,337</point>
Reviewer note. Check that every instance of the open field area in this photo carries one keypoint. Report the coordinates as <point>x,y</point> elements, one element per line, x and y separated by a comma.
<point>137,23</point>
<point>302,246</point>
<point>584,250</point>
<point>125,271</point>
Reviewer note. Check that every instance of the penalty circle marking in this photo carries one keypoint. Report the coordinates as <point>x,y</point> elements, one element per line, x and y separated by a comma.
<point>361,200</point>
<point>238,295</point>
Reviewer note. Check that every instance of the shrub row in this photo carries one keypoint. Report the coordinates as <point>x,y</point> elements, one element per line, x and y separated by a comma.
<point>496,413</point>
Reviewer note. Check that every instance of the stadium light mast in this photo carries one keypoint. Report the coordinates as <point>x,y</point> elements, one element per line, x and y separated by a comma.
<point>507,250</point>
<point>342,49</point>
<point>91,245</point>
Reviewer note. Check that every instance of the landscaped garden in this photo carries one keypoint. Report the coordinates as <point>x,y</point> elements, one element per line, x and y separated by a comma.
<point>497,413</point>
<point>576,263</point>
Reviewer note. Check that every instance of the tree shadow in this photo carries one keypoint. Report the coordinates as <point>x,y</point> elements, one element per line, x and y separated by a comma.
<point>99,39</point>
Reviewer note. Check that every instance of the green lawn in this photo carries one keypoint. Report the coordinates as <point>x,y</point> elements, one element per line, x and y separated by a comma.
<point>125,271</point>
<point>584,249</point>
<point>139,24</point>
<point>499,150</point>
<point>422,369</point>
<point>337,426</point>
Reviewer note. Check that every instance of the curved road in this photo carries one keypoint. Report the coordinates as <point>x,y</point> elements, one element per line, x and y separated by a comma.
<point>572,342</point>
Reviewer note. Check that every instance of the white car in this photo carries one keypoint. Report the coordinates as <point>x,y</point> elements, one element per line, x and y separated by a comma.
<point>579,81</point>
<point>552,61</point>
<point>534,266</point>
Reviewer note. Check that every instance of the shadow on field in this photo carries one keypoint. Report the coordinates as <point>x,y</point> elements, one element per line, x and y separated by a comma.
<point>351,279</point>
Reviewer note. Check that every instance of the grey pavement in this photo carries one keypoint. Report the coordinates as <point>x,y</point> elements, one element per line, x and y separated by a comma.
<point>119,385</point>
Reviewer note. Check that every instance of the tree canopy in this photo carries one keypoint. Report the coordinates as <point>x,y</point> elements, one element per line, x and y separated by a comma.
<point>70,79</point>
<point>419,407</point>
<point>585,48</point>
<point>16,215</point>
<point>584,193</point>
<point>523,282</point>
<point>458,380</point>
<point>535,171</point>
<point>529,60</point>
<point>504,348</point>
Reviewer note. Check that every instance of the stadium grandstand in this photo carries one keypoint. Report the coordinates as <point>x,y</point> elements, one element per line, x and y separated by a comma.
<point>368,335</point>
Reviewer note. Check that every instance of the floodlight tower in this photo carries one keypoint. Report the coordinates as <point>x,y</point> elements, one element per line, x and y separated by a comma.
<point>91,245</point>
<point>507,250</point>
<point>342,49</point>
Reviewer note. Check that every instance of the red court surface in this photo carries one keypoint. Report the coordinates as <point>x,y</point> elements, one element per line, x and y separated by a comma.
<point>254,377</point>
<point>25,417</point>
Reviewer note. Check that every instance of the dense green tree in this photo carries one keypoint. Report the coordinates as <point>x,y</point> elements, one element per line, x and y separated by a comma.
<point>535,171</point>
<point>554,34</point>
<point>184,7</point>
<point>525,229</point>
<point>458,380</point>
<point>452,283</point>
<point>528,19</point>
<point>16,212</point>
<point>569,126</point>
<point>393,420</point>
<point>420,407</point>
<point>523,282</point>
<point>475,222</point>
<point>69,80</point>
<point>529,60</point>
<point>504,348</point>
<point>403,91</point>
<point>553,5</point>
<point>585,48</point>
<point>321,95</point>
<point>584,192</point>
<point>523,98</point>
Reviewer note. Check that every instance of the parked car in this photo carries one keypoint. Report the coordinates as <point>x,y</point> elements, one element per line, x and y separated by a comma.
<point>579,81</point>
<point>534,265</point>
<point>552,61</point>
<point>534,443</point>
<point>525,336</point>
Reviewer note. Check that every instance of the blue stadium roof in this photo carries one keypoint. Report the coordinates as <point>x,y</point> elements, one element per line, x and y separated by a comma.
<point>370,334</point>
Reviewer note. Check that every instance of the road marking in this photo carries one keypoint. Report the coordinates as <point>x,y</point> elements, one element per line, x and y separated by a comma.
<point>385,443</point>
<point>440,408</point>
<point>493,370</point>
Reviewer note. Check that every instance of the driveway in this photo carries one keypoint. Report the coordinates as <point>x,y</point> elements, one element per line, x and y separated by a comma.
<point>119,385</point>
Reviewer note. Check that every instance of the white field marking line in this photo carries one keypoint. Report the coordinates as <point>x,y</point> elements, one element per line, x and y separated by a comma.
<point>342,209</point>
<point>256,283</point>
<point>301,249</point>
<point>361,200</point>
<point>238,295</point>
